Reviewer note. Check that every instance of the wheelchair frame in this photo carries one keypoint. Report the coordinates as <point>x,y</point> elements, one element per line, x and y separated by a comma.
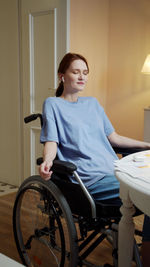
<point>61,205</point>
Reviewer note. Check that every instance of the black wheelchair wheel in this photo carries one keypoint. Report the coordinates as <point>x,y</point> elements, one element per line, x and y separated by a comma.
<point>43,226</point>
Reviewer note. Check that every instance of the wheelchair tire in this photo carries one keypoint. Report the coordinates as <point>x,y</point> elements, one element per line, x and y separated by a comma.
<point>43,226</point>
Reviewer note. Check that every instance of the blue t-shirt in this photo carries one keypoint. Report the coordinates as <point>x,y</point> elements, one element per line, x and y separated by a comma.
<point>80,129</point>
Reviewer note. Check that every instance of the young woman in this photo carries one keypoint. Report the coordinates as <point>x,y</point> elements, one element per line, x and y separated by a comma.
<point>78,130</point>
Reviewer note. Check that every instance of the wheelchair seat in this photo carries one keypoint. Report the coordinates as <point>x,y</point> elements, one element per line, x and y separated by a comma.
<point>78,201</point>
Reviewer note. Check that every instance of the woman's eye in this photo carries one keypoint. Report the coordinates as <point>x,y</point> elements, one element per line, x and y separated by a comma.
<point>78,72</point>
<point>75,72</point>
<point>85,72</point>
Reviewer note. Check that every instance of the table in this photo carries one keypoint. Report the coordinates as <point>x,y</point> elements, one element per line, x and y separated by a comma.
<point>7,262</point>
<point>133,191</point>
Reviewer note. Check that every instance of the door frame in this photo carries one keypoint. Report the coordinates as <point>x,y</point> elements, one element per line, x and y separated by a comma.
<point>21,122</point>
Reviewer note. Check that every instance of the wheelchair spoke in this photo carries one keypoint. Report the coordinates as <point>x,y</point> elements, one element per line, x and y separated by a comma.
<point>40,229</point>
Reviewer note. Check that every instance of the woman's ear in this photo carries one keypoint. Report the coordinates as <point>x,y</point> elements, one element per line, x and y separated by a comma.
<point>61,77</point>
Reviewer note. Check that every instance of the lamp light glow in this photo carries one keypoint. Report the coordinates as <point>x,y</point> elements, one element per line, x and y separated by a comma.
<point>146,66</point>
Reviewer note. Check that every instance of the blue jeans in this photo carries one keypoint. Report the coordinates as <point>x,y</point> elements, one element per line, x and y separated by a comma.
<point>107,190</point>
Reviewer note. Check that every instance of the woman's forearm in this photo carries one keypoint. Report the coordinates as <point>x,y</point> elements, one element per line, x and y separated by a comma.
<point>122,141</point>
<point>50,151</point>
<point>49,154</point>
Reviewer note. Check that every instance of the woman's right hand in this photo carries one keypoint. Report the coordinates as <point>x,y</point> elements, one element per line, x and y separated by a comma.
<point>45,171</point>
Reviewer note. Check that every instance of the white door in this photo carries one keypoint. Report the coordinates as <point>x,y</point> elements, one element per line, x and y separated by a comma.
<point>44,41</point>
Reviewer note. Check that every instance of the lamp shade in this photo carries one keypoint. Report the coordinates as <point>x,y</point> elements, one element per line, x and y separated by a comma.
<point>146,66</point>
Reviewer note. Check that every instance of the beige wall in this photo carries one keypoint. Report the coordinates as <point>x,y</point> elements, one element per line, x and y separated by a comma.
<point>128,90</point>
<point>9,86</point>
<point>114,35</point>
<point>89,27</point>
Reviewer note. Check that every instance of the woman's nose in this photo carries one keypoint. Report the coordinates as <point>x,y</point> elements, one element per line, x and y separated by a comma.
<point>80,76</point>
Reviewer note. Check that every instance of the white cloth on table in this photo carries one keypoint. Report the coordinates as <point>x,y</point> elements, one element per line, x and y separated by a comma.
<point>137,167</point>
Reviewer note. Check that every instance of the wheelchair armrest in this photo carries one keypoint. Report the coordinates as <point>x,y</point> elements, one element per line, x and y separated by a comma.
<point>127,151</point>
<point>60,166</point>
<point>64,167</point>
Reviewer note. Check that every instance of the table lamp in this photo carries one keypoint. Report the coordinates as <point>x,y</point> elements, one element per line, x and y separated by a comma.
<point>146,66</point>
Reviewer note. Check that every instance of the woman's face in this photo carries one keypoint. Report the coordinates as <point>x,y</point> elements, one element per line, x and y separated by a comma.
<point>76,76</point>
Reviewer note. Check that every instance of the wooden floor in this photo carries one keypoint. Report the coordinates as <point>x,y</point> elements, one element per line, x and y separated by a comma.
<point>7,244</point>
<point>101,255</point>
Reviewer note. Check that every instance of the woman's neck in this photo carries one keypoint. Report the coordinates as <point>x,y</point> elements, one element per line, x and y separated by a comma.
<point>70,97</point>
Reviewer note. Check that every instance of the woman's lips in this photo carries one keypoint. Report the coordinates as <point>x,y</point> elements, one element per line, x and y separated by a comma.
<point>80,83</point>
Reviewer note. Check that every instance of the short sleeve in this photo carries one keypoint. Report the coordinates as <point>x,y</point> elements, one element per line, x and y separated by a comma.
<point>108,128</point>
<point>49,130</point>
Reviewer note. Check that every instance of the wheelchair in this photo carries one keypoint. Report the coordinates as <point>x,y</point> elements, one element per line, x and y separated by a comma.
<point>58,223</point>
